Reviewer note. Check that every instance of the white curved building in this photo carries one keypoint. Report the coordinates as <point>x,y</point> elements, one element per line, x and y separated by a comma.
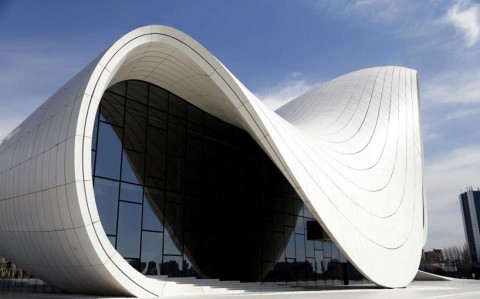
<point>155,124</point>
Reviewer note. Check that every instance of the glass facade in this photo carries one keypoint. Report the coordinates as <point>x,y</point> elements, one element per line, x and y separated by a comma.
<point>470,205</point>
<point>468,226</point>
<point>183,193</point>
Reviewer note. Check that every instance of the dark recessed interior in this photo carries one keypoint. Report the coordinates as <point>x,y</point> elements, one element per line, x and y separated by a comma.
<point>183,193</point>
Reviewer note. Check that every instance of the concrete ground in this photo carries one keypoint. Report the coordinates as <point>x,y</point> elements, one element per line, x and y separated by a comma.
<point>417,289</point>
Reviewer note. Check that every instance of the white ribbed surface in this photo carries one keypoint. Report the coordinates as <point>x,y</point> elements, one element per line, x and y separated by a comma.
<point>351,147</point>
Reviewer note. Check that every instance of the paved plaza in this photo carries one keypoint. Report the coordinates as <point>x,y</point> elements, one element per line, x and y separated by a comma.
<point>417,289</point>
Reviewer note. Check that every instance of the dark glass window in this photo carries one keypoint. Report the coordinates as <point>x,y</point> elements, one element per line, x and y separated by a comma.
<point>157,119</point>
<point>135,126</point>
<point>152,245</point>
<point>176,136</point>
<point>177,106</point>
<point>94,154</point>
<point>175,173</point>
<point>198,197</point>
<point>109,152</point>
<point>158,98</point>
<point>130,192</point>
<point>150,212</point>
<point>106,196</point>
<point>300,227</point>
<point>319,266</point>
<point>171,245</point>
<point>309,248</point>
<point>132,167</point>
<point>112,109</point>
<point>327,248</point>
<point>194,115</point>
<point>119,88</point>
<point>129,229</point>
<point>155,157</point>
<point>314,230</point>
<point>290,249</point>
<point>172,266</point>
<point>137,91</point>
<point>300,247</point>
<point>189,269</point>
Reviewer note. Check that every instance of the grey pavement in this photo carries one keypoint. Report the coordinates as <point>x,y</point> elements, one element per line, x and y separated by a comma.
<point>418,289</point>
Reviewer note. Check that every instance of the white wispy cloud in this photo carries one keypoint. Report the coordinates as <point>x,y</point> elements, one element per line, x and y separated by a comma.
<point>453,87</point>
<point>367,10</point>
<point>430,132</point>
<point>285,91</point>
<point>465,18</point>
<point>460,169</point>
<point>381,9</point>
<point>421,21</point>
<point>462,113</point>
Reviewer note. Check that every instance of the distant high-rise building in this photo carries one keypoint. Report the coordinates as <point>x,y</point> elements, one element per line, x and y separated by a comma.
<point>470,204</point>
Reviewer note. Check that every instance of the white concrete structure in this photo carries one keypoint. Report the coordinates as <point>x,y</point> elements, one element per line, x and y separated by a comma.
<point>351,148</point>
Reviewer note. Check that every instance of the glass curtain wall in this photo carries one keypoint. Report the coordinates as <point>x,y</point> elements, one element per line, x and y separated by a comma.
<point>183,193</point>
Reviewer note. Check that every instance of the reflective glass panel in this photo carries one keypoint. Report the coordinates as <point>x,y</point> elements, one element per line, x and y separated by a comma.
<point>290,250</point>
<point>135,126</point>
<point>158,98</point>
<point>93,159</point>
<point>172,266</point>
<point>152,206</point>
<point>151,261</point>
<point>300,247</point>
<point>157,119</point>
<point>177,106</point>
<point>132,166</point>
<point>172,245</point>
<point>112,109</point>
<point>119,88</point>
<point>129,229</point>
<point>137,91</point>
<point>109,151</point>
<point>130,192</point>
<point>106,197</point>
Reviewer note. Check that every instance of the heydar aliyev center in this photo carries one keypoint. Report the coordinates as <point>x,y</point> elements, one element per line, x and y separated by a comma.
<point>155,162</point>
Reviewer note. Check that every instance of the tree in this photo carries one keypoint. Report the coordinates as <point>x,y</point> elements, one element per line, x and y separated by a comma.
<point>458,261</point>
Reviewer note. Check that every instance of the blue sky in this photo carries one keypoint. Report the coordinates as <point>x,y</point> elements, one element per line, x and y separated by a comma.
<point>279,49</point>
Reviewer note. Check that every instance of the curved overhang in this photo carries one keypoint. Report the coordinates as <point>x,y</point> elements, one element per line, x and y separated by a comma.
<point>351,148</point>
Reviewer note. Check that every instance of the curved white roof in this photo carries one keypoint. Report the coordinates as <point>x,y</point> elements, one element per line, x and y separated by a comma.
<point>351,148</point>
